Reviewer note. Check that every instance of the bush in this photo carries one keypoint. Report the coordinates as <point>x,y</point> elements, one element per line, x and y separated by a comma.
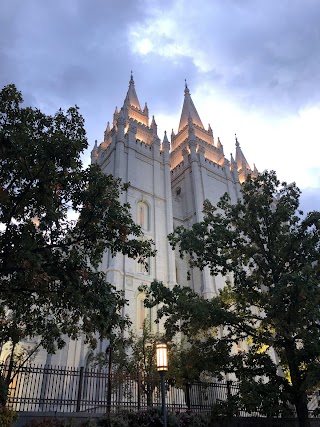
<point>3,390</point>
<point>90,423</point>
<point>192,419</point>
<point>7,417</point>
<point>152,417</point>
<point>51,422</point>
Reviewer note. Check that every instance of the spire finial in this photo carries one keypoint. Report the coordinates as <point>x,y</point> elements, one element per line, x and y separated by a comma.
<point>165,138</point>
<point>186,89</point>
<point>237,142</point>
<point>131,77</point>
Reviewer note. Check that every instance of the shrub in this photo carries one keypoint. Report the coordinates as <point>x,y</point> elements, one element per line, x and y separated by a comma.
<point>51,422</point>
<point>192,419</point>
<point>7,417</point>
<point>3,390</point>
<point>152,417</point>
<point>90,423</point>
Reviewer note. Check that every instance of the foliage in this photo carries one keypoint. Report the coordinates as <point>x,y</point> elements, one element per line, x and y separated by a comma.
<point>49,282</point>
<point>152,417</point>
<point>7,417</point>
<point>270,254</point>
<point>135,355</point>
<point>3,389</point>
<point>91,422</point>
<point>193,419</point>
<point>51,422</point>
<point>132,353</point>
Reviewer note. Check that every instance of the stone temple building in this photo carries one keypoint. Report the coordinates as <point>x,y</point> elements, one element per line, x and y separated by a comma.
<point>169,181</point>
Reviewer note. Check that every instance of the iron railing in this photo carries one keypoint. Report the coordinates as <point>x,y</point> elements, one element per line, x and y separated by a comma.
<point>48,388</point>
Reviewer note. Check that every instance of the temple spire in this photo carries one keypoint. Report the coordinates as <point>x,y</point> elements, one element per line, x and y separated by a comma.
<point>241,161</point>
<point>189,109</point>
<point>154,126</point>
<point>132,98</point>
<point>165,138</point>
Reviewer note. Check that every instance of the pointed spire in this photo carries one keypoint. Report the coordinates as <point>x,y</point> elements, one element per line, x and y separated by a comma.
<point>107,131</point>
<point>153,123</point>
<point>131,97</point>
<point>210,130</point>
<point>165,138</point>
<point>115,116</point>
<point>94,153</point>
<point>189,109</point>
<point>255,170</point>
<point>241,161</point>
<point>233,164</point>
<point>219,145</point>
<point>146,109</point>
<point>154,126</point>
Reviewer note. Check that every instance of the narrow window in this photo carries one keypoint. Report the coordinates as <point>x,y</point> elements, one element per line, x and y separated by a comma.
<point>143,215</point>
<point>142,268</point>
<point>143,313</point>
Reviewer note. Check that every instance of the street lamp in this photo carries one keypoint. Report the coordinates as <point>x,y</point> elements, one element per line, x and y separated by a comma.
<point>162,367</point>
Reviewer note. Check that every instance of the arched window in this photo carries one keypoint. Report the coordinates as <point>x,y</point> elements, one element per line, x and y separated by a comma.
<point>143,269</point>
<point>143,313</point>
<point>143,215</point>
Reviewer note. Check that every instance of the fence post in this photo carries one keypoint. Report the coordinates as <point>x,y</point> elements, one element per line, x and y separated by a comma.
<point>139,391</point>
<point>188,403</point>
<point>80,389</point>
<point>229,383</point>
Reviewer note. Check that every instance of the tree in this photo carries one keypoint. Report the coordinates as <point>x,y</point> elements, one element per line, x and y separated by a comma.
<point>271,301</point>
<point>50,285</point>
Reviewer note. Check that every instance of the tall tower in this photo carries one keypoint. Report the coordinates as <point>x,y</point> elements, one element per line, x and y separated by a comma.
<point>167,189</point>
<point>200,171</point>
<point>131,150</point>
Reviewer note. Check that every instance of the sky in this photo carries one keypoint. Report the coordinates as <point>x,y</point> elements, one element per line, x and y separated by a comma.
<point>252,67</point>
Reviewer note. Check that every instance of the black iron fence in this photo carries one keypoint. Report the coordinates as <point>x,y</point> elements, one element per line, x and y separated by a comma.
<point>47,388</point>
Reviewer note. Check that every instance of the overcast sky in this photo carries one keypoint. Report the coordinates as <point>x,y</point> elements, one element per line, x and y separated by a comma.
<point>252,67</point>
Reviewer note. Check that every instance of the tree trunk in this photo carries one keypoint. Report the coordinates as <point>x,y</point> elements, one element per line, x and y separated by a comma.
<point>301,404</point>
<point>298,392</point>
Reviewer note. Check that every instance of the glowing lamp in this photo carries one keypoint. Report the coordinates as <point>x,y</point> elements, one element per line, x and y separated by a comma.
<point>162,357</point>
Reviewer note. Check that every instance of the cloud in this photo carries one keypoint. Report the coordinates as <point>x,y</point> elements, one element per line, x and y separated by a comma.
<point>60,53</point>
<point>252,68</point>
<point>264,53</point>
<point>67,51</point>
<point>310,199</point>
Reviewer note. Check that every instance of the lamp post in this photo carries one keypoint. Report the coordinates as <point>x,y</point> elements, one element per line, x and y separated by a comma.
<point>162,367</point>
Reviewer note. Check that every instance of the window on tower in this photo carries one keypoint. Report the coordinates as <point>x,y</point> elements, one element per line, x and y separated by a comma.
<point>144,268</point>
<point>143,313</point>
<point>143,215</point>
